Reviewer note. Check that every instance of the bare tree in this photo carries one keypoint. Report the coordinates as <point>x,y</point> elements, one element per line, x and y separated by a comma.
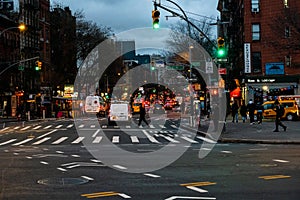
<point>177,43</point>
<point>88,35</point>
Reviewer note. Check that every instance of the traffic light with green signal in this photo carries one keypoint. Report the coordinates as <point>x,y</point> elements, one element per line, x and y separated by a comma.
<point>38,65</point>
<point>155,19</point>
<point>221,52</point>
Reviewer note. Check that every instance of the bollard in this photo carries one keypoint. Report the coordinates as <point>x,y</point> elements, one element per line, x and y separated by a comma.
<point>23,123</point>
<point>4,125</point>
<point>44,114</point>
<point>28,115</point>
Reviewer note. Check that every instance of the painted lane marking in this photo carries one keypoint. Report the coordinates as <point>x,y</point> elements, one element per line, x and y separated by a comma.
<point>115,139</point>
<point>7,142</point>
<point>226,152</point>
<point>28,157</point>
<point>25,128</point>
<point>42,141</point>
<point>96,161</point>
<point>100,194</point>
<point>46,134</point>
<point>151,138</point>
<point>60,140</point>
<point>59,126</point>
<point>47,127</point>
<point>22,142</point>
<point>152,175</point>
<point>75,156</point>
<point>4,129</point>
<point>93,126</point>
<point>73,166</point>
<point>206,140</point>
<point>87,178</point>
<point>125,196</point>
<point>81,126</point>
<point>206,183</point>
<point>189,139</point>
<point>44,163</point>
<point>128,126</point>
<point>197,189</point>
<point>281,161</point>
<point>61,169</point>
<point>59,152</point>
<point>151,126</point>
<point>169,138</point>
<point>97,140</point>
<point>174,126</point>
<point>70,126</point>
<point>119,167</point>
<point>78,140</point>
<point>95,134</point>
<point>37,127</point>
<point>17,127</point>
<point>162,126</point>
<point>274,177</point>
<point>134,139</point>
<point>67,164</point>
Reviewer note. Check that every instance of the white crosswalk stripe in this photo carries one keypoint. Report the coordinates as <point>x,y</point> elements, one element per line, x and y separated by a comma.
<point>47,127</point>
<point>97,140</point>
<point>7,142</point>
<point>37,127</point>
<point>115,139</point>
<point>25,128</point>
<point>59,126</point>
<point>78,140</point>
<point>22,142</point>
<point>42,141</point>
<point>70,126</point>
<point>60,140</point>
<point>134,139</point>
<point>169,138</point>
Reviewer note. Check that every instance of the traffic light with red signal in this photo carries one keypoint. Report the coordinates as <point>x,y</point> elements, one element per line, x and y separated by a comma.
<point>155,19</point>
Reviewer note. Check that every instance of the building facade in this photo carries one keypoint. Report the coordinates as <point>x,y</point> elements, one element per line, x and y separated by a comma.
<point>262,39</point>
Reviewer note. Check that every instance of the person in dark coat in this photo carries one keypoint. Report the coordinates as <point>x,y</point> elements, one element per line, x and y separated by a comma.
<point>260,110</point>
<point>142,115</point>
<point>251,109</point>
<point>235,112</point>
<point>243,111</point>
<point>278,116</point>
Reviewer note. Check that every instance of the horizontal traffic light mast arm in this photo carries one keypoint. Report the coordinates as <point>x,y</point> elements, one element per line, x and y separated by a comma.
<point>18,63</point>
<point>185,19</point>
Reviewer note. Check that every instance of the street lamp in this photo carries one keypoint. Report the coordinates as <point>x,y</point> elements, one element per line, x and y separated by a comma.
<point>21,27</point>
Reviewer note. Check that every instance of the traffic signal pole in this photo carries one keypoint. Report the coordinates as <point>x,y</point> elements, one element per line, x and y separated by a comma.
<point>18,63</point>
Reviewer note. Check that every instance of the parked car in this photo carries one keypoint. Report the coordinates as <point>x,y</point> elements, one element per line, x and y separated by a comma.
<point>291,110</point>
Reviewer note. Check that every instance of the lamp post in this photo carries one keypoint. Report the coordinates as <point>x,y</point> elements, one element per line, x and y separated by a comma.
<point>21,27</point>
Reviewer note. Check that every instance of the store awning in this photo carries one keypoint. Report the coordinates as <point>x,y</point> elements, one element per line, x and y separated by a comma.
<point>236,93</point>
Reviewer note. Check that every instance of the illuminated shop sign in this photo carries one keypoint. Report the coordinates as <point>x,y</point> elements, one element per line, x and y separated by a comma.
<point>274,68</point>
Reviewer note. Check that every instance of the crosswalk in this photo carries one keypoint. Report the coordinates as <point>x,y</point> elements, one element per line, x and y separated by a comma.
<point>55,135</point>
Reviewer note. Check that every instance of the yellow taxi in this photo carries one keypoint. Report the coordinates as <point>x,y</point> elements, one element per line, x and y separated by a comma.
<point>291,111</point>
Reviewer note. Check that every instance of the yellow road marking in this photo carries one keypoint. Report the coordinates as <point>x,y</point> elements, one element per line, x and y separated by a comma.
<point>100,194</point>
<point>198,184</point>
<point>273,177</point>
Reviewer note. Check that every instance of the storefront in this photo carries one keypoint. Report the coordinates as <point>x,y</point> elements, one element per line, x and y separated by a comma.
<point>268,88</point>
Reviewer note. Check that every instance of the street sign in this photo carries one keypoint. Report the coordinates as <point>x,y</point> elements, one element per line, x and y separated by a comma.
<point>6,5</point>
<point>175,67</point>
<point>209,68</point>
<point>222,60</point>
<point>21,68</point>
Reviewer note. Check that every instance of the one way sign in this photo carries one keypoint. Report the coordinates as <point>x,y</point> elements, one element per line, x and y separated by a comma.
<point>6,5</point>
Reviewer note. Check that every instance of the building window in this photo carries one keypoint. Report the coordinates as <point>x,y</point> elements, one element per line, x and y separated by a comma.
<point>255,6</point>
<point>286,3</point>
<point>287,32</point>
<point>255,32</point>
<point>256,62</point>
<point>288,60</point>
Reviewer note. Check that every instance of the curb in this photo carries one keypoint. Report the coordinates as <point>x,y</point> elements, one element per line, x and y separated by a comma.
<point>256,141</point>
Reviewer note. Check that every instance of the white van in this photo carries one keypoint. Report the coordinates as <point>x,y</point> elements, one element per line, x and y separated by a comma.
<point>95,105</point>
<point>119,112</point>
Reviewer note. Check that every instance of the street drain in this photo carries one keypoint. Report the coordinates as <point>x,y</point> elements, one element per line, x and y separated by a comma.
<point>62,182</point>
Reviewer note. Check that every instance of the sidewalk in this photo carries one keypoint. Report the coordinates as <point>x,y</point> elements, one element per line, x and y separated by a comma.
<point>256,133</point>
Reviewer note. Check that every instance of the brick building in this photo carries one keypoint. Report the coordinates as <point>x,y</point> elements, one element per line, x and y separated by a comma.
<point>262,39</point>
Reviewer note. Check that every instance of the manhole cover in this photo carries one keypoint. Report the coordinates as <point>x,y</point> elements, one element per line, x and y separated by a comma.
<point>62,181</point>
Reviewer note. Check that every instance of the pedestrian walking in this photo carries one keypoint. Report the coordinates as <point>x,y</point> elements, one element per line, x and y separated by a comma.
<point>243,111</point>
<point>235,112</point>
<point>279,113</point>
<point>142,115</point>
<point>251,109</point>
<point>260,110</point>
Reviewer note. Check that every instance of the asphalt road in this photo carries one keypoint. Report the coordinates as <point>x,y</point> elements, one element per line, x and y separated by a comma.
<point>51,160</point>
